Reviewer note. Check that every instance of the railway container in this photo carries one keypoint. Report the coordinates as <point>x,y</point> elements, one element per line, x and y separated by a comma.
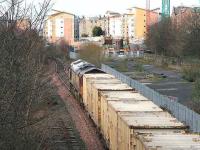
<point>115,107</point>
<point>88,87</point>
<point>95,101</point>
<point>115,96</point>
<point>168,141</point>
<point>129,122</point>
<point>92,95</point>
<point>86,84</point>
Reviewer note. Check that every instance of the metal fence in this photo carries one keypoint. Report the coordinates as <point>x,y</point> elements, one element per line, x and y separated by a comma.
<point>181,112</point>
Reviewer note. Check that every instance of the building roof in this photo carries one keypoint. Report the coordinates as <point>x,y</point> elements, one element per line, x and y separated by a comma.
<point>152,11</point>
<point>57,12</point>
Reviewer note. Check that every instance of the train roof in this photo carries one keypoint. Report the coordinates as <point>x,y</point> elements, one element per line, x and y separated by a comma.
<point>133,106</point>
<point>98,76</point>
<point>151,120</point>
<point>81,67</point>
<point>89,69</point>
<point>129,95</point>
<point>112,87</point>
<point>169,141</point>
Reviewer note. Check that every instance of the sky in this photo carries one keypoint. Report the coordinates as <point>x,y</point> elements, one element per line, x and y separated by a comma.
<point>99,7</point>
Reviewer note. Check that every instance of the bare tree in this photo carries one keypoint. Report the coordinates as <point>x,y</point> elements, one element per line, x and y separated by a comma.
<point>168,39</point>
<point>92,53</point>
<point>21,70</point>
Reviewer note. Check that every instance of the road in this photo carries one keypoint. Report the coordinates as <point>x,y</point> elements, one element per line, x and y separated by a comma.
<point>171,85</point>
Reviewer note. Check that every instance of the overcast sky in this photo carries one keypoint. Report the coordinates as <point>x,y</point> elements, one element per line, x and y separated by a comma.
<point>96,7</point>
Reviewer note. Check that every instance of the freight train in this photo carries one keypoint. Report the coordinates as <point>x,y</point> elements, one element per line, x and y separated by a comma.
<point>126,119</point>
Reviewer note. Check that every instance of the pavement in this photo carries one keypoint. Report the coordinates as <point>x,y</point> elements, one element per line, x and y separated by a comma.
<point>172,85</point>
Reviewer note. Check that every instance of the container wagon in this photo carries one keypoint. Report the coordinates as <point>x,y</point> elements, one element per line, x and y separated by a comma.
<point>76,71</point>
<point>126,119</point>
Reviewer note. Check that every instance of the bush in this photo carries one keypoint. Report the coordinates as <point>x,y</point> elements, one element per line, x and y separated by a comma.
<point>191,73</point>
<point>195,103</point>
<point>139,67</point>
<point>92,53</point>
<point>97,31</point>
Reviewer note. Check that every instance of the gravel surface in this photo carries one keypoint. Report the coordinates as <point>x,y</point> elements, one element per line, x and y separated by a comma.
<point>82,122</point>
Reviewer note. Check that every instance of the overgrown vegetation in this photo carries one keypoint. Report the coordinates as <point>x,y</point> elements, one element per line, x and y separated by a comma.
<point>195,103</point>
<point>191,73</point>
<point>92,53</point>
<point>169,39</point>
<point>56,52</point>
<point>139,67</point>
<point>180,42</point>
<point>22,71</point>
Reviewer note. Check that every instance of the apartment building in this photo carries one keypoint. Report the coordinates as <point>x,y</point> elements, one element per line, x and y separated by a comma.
<point>61,27</point>
<point>128,23</point>
<point>135,23</point>
<point>115,26</point>
<point>86,25</point>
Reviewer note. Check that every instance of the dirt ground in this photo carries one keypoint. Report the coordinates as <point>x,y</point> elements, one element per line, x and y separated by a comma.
<point>62,122</point>
<point>82,122</point>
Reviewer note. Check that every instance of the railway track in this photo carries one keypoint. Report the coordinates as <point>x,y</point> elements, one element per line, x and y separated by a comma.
<point>63,136</point>
<point>86,127</point>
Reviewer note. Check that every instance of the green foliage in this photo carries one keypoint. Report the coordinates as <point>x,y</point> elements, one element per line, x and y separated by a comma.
<point>191,73</point>
<point>97,31</point>
<point>196,91</point>
<point>195,103</point>
<point>139,67</point>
